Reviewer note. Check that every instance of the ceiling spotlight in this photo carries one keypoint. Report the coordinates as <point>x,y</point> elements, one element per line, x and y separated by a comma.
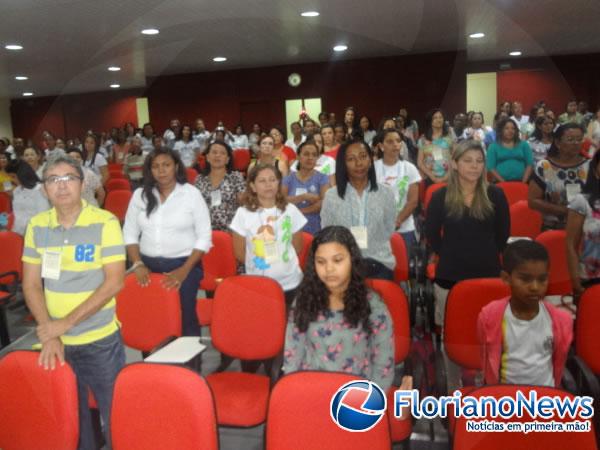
<point>21,78</point>
<point>310,14</point>
<point>114,68</point>
<point>27,94</point>
<point>476,35</point>
<point>150,31</point>
<point>13,47</point>
<point>219,59</point>
<point>515,53</point>
<point>115,86</point>
<point>340,48</point>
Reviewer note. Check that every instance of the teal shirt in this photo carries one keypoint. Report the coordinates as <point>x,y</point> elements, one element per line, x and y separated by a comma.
<point>510,163</point>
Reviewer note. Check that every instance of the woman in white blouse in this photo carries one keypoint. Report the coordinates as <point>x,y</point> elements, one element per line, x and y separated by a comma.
<point>186,146</point>
<point>167,230</point>
<point>28,199</point>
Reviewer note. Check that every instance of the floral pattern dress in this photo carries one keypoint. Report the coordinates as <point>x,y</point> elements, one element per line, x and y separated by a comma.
<point>589,260</point>
<point>436,154</point>
<point>221,215</point>
<point>332,344</point>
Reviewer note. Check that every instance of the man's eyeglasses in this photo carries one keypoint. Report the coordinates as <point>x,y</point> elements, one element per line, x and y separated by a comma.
<point>54,179</point>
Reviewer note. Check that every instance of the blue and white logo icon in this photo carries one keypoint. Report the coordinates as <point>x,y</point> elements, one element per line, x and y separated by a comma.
<point>358,406</point>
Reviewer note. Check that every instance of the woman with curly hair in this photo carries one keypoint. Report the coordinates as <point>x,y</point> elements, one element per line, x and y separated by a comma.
<point>336,323</point>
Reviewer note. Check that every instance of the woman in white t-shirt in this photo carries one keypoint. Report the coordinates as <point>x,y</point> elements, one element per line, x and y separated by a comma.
<point>94,160</point>
<point>28,198</point>
<point>267,231</point>
<point>403,177</point>
<point>186,146</point>
<point>240,140</point>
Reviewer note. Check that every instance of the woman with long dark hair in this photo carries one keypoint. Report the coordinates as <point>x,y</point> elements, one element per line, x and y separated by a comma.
<point>28,199</point>
<point>94,159</point>
<point>435,148</point>
<point>509,158</point>
<point>541,139</point>
<point>336,323</point>
<point>167,230</point>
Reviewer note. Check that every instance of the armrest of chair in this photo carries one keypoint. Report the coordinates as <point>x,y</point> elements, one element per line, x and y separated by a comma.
<point>181,350</point>
<point>162,344</point>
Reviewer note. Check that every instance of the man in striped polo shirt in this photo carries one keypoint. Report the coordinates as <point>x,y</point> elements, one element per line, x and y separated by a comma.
<point>74,265</point>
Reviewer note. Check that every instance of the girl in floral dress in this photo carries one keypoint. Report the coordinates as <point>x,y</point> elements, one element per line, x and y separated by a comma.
<point>336,323</point>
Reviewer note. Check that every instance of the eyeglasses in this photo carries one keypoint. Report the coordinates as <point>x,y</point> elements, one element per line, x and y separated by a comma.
<point>54,179</point>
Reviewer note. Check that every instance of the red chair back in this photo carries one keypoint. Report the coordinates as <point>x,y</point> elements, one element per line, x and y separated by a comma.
<point>148,315</point>
<point>219,263</point>
<point>241,159</point>
<point>307,239</point>
<point>524,221</point>
<point>248,317</point>
<point>465,301</point>
<point>587,332</point>
<point>116,173</point>
<point>397,305</point>
<point>299,416</point>
<point>464,439</point>
<point>514,191</point>
<point>5,203</point>
<point>399,250</point>
<point>12,249</point>
<point>116,184</point>
<point>162,406</point>
<point>117,202</point>
<point>429,193</point>
<point>560,279</point>
<point>191,174</point>
<point>116,167</point>
<point>39,407</point>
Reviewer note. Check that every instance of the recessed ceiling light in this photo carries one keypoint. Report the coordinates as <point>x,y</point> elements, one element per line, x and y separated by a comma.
<point>340,48</point>
<point>13,47</point>
<point>27,94</point>
<point>115,86</point>
<point>310,14</point>
<point>150,31</point>
<point>219,59</point>
<point>515,53</point>
<point>476,35</point>
<point>114,68</point>
<point>21,78</point>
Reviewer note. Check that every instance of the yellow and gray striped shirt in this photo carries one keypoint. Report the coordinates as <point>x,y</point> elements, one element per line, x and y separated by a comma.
<point>93,241</point>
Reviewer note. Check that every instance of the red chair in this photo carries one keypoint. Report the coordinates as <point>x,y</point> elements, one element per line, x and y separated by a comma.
<point>248,322</point>
<point>524,221</point>
<point>290,153</point>
<point>307,239</point>
<point>299,416</point>
<point>39,407</point>
<point>148,315</point>
<point>116,176</point>
<point>191,175</point>
<point>115,167</point>
<point>201,160</point>
<point>399,251</point>
<point>117,202</point>
<point>116,184</point>
<point>5,203</point>
<point>163,407</point>
<point>397,304</point>
<point>559,282</point>
<point>587,332</point>
<point>218,264</point>
<point>11,272</point>
<point>514,191</point>
<point>241,159</point>
<point>429,193</point>
<point>464,439</point>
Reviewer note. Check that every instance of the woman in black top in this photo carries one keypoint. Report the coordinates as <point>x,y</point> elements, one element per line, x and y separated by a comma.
<point>475,220</point>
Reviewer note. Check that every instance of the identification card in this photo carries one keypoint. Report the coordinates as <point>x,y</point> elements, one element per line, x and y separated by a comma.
<point>572,191</point>
<point>360,235</point>
<point>271,252</point>
<point>301,191</point>
<point>51,265</point>
<point>215,198</point>
<point>7,186</point>
<point>438,155</point>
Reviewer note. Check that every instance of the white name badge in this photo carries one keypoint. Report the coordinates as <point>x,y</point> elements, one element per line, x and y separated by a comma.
<point>438,155</point>
<point>360,235</point>
<point>271,252</point>
<point>215,198</point>
<point>572,191</point>
<point>301,191</point>
<point>51,265</point>
<point>7,186</point>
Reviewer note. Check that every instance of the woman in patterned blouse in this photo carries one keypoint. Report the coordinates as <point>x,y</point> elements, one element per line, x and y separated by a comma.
<point>336,324</point>
<point>220,186</point>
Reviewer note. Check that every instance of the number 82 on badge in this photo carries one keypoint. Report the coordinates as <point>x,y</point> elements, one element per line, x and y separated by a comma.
<point>84,253</point>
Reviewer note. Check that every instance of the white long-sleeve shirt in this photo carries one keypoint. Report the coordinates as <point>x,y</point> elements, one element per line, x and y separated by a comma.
<point>174,228</point>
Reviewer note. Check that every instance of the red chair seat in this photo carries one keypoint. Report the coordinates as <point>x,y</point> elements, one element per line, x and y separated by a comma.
<point>431,271</point>
<point>240,398</point>
<point>399,429</point>
<point>204,311</point>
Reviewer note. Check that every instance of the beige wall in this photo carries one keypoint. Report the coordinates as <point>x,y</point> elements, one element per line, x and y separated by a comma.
<point>482,94</point>
<point>5,122</point>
